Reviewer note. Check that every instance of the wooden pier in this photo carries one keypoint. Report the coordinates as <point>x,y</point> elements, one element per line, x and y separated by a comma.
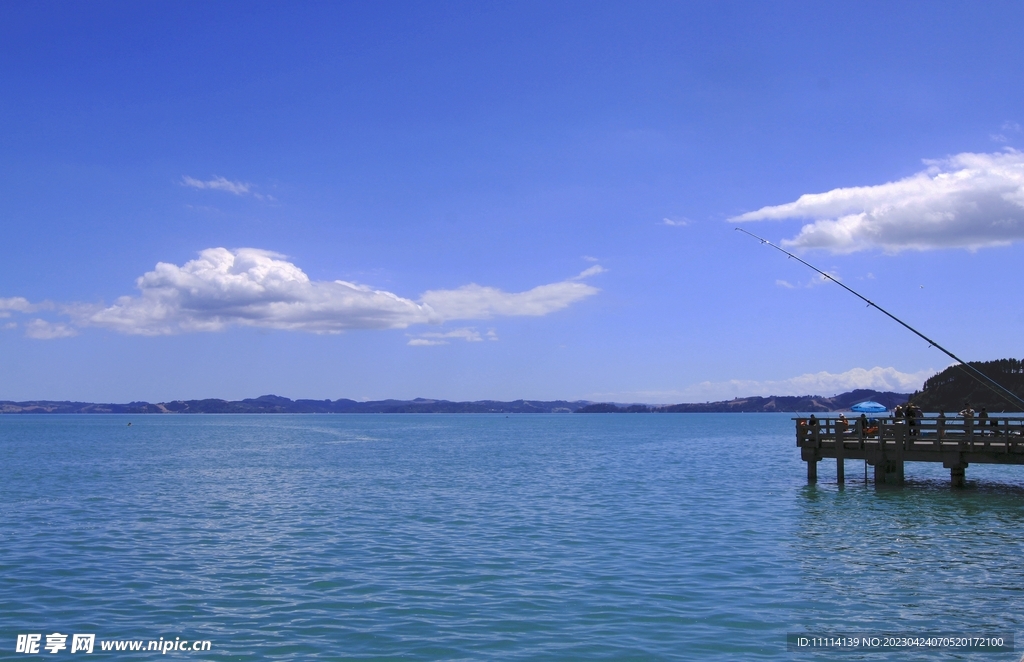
<point>887,443</point>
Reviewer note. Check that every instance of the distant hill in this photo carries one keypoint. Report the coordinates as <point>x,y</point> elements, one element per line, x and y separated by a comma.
<point>275,404</point>
<point>785,403</point>
<point>954,386</point>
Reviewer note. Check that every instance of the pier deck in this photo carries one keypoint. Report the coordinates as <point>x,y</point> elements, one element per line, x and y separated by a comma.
<point>955,442</point>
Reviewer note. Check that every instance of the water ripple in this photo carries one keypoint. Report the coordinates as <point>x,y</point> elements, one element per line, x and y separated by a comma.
<point>478,537</point>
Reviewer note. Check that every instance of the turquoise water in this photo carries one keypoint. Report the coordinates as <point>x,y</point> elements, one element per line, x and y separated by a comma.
<point>425,537</point>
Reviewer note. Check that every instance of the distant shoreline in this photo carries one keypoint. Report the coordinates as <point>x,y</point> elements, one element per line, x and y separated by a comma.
<point>273,404</point>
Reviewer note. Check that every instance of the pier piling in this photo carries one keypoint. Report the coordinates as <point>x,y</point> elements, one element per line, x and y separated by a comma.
<point>889,472</point>
<point>840,444</point>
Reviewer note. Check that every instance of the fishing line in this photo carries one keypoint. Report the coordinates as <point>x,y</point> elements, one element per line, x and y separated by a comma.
<point>1001,390</point>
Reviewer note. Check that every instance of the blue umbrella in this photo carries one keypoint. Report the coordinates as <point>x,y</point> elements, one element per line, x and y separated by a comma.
<point>870,407</point>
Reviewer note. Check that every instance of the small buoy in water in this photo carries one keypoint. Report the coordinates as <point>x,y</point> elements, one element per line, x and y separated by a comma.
<point>129,424</point>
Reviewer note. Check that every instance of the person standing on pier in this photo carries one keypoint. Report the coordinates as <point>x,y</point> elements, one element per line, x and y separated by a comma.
<point>968,415</point>
<point>940,424</point>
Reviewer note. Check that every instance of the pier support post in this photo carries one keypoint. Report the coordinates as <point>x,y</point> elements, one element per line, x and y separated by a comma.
<point>889,472</point>
<point>901,446</point>
<point>889,467</point>
<point>840,461</point>
<point>957,472</point>
<point>811,456</point>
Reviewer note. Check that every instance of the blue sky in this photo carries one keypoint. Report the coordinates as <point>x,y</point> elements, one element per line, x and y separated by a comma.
<point>503,200</point>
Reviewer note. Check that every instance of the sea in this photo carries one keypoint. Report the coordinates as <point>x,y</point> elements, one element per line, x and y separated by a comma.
<point>489,537</point>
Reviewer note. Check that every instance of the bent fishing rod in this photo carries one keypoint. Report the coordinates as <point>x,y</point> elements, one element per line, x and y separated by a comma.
<point>1004,392</point>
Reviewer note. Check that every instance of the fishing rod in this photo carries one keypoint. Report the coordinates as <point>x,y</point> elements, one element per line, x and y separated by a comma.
<point>1001,390</point>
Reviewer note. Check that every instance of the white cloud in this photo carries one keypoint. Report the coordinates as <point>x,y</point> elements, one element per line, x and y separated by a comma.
<point>19,305</point>
<point>469,334</point>
<point>813,281</point>
<point>253,287</point>
<point>218,184</point>
<point>816,383</point>
<point>424,342</point>
<point>965,201</point>
<point>1007,127</point>
<point>675,222</point>
<point>43,330</point>
<point>820,383</point>
<point>477,302</point>
<point>590,258</point>
<point>590,271</point>
<point>249,287</point>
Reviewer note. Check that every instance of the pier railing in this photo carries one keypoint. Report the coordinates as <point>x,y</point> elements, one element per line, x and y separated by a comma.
<point>971,433</point>
<point>887,442</point>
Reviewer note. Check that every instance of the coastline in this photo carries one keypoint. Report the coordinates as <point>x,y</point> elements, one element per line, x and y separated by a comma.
<point>273,404</point>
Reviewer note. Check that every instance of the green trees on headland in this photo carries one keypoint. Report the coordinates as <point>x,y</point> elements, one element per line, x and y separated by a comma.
<point>952,388</point>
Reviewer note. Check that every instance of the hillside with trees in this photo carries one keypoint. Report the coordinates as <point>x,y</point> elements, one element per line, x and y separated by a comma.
<point>953,387</point>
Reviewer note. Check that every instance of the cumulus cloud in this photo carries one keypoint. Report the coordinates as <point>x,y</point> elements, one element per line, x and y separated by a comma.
<point>675,222</point>
<point>217,184</point>
<point>478,302</point>
<point>813,281</point>
<point>818,383</point>
<point>253,287</point>
<point>590,271</point>
<point>469,334</point>
<point>15,304</point>
<point>965,201</point>
<point>21,305</point>
<point>249,287</point>
<point>43,330</point>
